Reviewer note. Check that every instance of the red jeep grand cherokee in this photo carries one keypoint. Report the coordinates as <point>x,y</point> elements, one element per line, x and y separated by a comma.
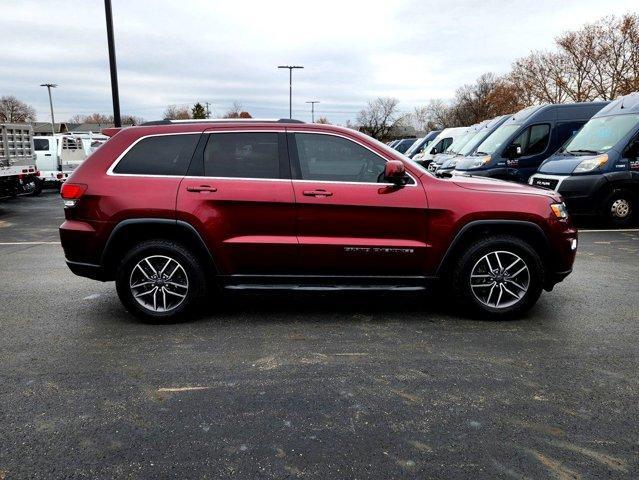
<point>172,209</point>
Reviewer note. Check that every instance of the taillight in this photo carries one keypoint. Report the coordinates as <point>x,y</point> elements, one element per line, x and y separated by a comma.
<point>71,193</point>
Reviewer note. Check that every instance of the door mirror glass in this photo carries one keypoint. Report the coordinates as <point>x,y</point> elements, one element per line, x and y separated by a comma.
<point>395,172</point>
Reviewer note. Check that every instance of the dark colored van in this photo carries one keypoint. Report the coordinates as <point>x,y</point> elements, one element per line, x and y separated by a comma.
<point>597,171</point>
<point>404,144</point>
<point>516,149</point>
<point>421,143</point>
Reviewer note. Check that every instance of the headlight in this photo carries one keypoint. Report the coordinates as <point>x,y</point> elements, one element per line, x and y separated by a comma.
<point>590,164</point>
<point>559,209</point>
<point>480,162</point>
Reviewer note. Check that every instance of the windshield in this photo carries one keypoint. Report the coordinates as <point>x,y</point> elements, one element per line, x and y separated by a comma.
<point>601,134</point>
<point>415,146</point>
<point>497,139</point>
<point>474,140</point>
<point>458,144</point>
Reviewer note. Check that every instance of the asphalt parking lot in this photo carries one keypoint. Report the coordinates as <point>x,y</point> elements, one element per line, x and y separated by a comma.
<point>313,386</point>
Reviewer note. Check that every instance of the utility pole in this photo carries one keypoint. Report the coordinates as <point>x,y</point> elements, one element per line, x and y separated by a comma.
<point>114,69</point>
<point>49,87</point>
<point>313,102</point>
<point>208,111</point>
<point>290,86</point>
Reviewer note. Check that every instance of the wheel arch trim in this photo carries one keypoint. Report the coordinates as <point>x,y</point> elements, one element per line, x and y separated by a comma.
<point>169,222</point>
<point>464,230</point>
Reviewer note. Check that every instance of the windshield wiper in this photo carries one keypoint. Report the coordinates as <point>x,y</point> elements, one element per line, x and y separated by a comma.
<point>592,152</point>
<point>477,154</point>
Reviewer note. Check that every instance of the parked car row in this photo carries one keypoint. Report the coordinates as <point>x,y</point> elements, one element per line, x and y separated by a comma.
<point>588,152</point>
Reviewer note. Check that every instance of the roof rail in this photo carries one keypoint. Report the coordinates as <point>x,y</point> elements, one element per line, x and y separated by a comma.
<point>221,120</point>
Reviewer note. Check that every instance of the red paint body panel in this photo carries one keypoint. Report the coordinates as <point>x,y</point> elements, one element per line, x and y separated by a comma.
<point>254,226</point>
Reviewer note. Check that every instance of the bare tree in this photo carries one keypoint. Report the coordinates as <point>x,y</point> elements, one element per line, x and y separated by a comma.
<point>102,119</point>
<point>323,120</point>
<point>237,111</point>
<point>177,112</point>
<point>600,61</point>
<point>14,110</point>
<point>380,117</point>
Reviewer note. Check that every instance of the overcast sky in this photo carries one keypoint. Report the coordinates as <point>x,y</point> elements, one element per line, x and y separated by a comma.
<point>181,52</point>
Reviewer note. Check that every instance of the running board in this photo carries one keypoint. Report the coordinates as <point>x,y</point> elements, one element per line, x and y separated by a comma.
<point>326,283</point>
<point>327,288</point>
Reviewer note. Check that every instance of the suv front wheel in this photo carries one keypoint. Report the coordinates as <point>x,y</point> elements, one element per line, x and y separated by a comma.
<point>160,281</point>
<point>498,276</point>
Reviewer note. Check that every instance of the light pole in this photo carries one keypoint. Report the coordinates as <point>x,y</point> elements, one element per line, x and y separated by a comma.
<point>114,70</point>
<point>290,86</point>
<point>49,87</point>
<point>313,102</point>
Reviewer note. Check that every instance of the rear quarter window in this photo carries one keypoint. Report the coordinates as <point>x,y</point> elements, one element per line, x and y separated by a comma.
<point>159,155</point>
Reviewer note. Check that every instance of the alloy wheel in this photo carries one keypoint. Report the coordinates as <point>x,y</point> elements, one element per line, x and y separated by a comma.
<point>159,283</point>
<point>500,279</point>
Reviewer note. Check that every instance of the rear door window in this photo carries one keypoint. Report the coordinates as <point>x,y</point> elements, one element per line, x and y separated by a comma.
<point>159,155</point>
<point>242,155</point>
<point>40,144</point>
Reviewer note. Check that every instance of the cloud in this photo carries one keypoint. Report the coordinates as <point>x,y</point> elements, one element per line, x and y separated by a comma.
<point>221,52</point>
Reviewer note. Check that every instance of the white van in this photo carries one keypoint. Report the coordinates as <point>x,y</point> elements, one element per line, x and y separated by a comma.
<point>444,140</point>
<point>57,156</point>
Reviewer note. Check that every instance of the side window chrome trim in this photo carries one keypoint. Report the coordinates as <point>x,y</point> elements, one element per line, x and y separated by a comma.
<point>333,134</point>
<point>111,173</point>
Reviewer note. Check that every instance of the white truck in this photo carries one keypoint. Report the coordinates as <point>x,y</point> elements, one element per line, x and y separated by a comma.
<point>59,155</point>
<point>18,172</point>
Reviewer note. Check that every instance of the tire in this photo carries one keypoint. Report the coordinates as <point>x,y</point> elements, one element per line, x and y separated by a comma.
<point>171,276</point>
<point>519,289</point>
<point>37,189</point>
<point>619,208</point>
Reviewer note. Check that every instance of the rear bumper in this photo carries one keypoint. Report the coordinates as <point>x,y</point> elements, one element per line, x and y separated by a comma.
<point>553,278</point>
<point>88,270</point>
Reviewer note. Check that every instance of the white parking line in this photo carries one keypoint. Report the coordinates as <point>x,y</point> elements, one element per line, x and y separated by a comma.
<point>610,230</point>
<point>29,243</point>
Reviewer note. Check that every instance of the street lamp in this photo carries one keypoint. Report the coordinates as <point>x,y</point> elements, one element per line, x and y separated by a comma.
<point>290,87</point>
<point>115,94</point>
<point>49,87</point>
<point>313,102</point>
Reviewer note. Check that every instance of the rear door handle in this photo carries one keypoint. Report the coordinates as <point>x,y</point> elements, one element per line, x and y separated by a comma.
<point>317,193</point>
<point>201,188</point>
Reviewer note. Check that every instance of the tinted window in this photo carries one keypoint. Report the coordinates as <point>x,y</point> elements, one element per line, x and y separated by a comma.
<point>160,155</point>
<point>330,158</point>
<point>242,155</point>
<point>533,140</point>
<point>539,136</point>
<point>566,131</point>
<point>40,144</point>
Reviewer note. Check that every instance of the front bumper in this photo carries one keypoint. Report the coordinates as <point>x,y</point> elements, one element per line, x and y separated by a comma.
<point>580,192</point>
<point>88,270</point>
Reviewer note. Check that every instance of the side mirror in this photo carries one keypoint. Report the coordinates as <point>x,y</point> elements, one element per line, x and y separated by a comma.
<point>433,151</point>
<point>513,151</point>
<point>395,172</point>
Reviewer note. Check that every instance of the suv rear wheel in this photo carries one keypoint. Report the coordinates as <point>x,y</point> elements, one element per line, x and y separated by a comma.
<point>160,281</point>
<point>498,276</point>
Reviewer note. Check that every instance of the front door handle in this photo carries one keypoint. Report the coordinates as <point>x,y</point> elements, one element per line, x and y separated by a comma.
<point>201,188</point>
<point>317,193</point>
